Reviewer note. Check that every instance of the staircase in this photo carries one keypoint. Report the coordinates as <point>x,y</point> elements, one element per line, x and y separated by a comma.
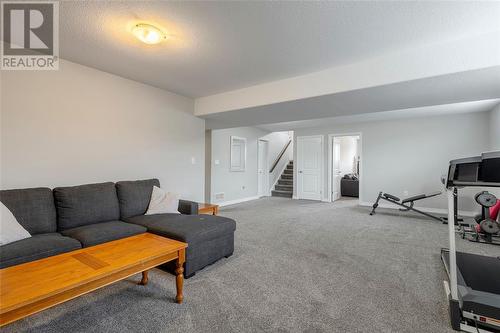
<point>284,187</point>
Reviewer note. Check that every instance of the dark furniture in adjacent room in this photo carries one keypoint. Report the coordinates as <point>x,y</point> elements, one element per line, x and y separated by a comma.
<point>349,186</point>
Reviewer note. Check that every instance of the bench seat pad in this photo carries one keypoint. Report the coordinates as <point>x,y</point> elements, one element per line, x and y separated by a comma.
<point>103,232</point>
<point>36,247</point>
<point>186,228</point>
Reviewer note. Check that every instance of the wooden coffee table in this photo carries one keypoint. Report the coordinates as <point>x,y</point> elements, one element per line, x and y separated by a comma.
<point>206,208</point>
<point>32,287</point>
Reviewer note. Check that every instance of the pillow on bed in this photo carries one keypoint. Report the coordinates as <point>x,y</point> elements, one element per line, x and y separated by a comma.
<point>162,202</point>
<point>11,229</point>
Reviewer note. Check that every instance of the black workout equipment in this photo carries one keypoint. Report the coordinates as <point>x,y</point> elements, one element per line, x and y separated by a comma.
<point>478,289</point>
<point>486,230</point>
<point>475,171</point>
<point>407,203</point>
<point>474,288</point>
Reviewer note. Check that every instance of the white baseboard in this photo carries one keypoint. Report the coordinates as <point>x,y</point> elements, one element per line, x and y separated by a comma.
<point>237,201</point>
<point>441,211</point>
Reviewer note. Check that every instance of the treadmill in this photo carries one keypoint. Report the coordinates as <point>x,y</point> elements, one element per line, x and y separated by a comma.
<point>474,288</point>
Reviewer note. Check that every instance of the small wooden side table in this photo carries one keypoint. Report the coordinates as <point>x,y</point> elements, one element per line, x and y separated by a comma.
<point>206,208</point>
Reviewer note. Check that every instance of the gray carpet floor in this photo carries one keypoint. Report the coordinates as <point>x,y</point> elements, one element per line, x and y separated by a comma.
<point>298,266</point>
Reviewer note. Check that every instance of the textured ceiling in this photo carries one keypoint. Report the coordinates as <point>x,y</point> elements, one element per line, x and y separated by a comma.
<point>221,46</point>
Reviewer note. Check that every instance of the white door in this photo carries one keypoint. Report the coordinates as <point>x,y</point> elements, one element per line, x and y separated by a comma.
<point>336,169</point>
<point>309,167</point>
<point>263,168</point>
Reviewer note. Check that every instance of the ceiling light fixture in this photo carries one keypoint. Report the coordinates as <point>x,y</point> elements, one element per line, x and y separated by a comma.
<point>148,33</point>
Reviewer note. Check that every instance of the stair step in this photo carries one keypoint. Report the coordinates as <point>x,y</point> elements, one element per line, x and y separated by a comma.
<point>288,172</point>
<point>289,167</point>
<point>285,176</point>
<point>284,194</point>
<point>285,182</point>
<point>284,187</point>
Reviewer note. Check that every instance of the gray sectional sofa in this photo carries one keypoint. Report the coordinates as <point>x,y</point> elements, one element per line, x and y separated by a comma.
<point>69,218</point>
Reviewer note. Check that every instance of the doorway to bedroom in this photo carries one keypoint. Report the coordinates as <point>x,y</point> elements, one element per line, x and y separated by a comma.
<point>344,166</point>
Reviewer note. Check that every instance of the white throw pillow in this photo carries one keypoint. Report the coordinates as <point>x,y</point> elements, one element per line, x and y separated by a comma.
<point>10,229</point>
<point>163,202</point>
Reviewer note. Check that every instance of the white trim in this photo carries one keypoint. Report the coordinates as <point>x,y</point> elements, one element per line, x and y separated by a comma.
<point>236,201</point>
<point>244,167</point>
<point>294,197</point>
<point>443,211</point>
<point>322,170</point>
<point>266,191</point>
<point>330,166</point>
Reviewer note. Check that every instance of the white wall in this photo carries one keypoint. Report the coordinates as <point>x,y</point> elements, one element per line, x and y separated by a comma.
<point>80,125</point>
<point>348,149</point>
<point>495,128</point>
<point>236,186</point>
<point>412,154</point>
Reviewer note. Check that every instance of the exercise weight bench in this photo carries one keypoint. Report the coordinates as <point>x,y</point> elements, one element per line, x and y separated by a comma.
<point>407,203</point>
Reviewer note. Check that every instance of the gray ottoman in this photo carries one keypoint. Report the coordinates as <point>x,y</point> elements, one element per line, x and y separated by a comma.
<point>209,237</point>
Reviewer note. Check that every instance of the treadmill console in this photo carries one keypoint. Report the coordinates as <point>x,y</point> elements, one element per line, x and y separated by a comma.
<point>482,170</point>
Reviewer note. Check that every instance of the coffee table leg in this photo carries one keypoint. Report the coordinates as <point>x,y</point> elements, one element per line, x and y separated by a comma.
<point>179,279</point>
<point>145,278</point>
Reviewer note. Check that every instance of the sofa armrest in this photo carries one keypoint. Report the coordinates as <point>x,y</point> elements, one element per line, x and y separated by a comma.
<point>188,207</point>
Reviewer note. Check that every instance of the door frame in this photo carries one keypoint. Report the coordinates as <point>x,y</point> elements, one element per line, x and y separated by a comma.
<point>322,165</point>
<point>265,190</point>
<point>330,162</point>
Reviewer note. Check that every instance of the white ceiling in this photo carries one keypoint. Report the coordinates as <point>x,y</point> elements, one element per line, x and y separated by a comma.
<point>475,85</point>
<point>425,111</point>
<point>222,46</point>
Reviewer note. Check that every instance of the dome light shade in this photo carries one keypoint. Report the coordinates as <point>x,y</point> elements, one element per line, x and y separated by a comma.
<point>148,33</point>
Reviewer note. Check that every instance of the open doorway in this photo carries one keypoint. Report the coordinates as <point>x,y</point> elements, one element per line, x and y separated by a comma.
<point>263,168</point>
<point>344,166</point>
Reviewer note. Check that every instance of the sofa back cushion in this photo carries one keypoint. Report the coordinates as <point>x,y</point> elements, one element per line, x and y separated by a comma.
<point>33,208</point>
<point>86,204</point>
<point>134,196</point>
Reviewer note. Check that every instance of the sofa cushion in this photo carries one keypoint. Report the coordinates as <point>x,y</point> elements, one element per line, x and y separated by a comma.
<point>163,202</point>
<point>103,232</point>
<point>36,247</point>
<point>186,228</point>
<point>33,208</point>
<point>134,196</point>
<point>86,204</point>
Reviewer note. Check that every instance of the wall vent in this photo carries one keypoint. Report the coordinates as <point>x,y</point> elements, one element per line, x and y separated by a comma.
<point>219,196</point>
